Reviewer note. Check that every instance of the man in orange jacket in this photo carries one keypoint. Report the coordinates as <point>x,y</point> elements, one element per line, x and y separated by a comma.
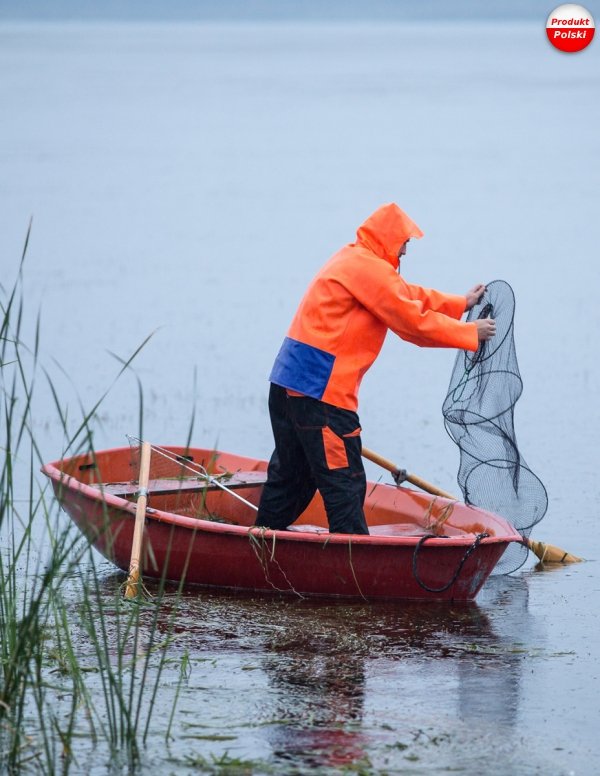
<point>335,336</point>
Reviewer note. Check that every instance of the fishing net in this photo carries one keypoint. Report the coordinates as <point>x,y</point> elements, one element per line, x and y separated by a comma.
<point>479,416</point>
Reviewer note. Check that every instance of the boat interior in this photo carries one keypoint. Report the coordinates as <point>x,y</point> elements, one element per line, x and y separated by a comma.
<point>225,488</point>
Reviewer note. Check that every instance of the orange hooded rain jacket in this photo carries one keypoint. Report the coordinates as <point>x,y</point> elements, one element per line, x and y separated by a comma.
<point>341,323</point>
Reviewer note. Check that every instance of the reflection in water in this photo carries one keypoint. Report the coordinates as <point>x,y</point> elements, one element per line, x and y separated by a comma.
<point>320,679</point>
<point>336,684</point>
<point>489,684</point>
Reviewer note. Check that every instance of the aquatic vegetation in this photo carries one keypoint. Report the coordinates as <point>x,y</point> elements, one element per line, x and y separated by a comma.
<point>62,633</point>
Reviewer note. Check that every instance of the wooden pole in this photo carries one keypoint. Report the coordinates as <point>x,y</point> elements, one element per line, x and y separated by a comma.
<point>133,580</point>
<point>404,475</point>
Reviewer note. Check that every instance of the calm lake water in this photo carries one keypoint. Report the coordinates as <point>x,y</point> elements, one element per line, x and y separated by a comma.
<point>187,181</point>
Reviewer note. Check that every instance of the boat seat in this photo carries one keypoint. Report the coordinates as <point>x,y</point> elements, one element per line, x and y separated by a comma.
<point>392,529</point>
<point>397,529</point>
<point>166,486</point>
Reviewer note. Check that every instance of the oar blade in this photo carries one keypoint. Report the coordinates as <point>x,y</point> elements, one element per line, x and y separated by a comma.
<point>548,553</point>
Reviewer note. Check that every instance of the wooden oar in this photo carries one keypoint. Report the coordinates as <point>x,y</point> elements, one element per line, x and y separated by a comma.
<point>547,553</point>
<point>401,475</point>
<point>133,580</point>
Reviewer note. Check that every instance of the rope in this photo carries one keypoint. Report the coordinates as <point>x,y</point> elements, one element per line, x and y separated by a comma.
<point>469,551</point>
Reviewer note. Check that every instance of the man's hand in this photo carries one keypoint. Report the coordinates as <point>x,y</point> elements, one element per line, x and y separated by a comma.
<point>474,295</point>
<point>486,329</point>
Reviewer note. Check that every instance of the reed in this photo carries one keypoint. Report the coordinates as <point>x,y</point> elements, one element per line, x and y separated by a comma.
<point>77,664</point>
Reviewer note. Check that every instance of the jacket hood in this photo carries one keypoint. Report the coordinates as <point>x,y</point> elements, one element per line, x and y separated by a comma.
<point>386,230</point>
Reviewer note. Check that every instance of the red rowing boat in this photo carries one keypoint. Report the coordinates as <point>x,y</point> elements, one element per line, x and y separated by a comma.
<point>199,527</point>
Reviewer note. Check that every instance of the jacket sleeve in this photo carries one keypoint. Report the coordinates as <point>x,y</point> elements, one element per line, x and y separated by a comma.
<point>389,298</point>
<point>449,304</point>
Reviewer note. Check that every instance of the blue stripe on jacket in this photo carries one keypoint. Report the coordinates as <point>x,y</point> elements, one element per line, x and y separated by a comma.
<point>302,368</point>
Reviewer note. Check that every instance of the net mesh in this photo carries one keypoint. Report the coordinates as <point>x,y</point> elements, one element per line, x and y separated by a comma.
<point>479,416</point>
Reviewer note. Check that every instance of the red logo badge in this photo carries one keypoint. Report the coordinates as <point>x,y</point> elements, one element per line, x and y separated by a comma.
<point>570,27</point>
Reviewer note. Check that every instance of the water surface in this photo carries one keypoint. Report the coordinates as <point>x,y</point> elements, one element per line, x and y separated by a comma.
<point>188,180</point>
